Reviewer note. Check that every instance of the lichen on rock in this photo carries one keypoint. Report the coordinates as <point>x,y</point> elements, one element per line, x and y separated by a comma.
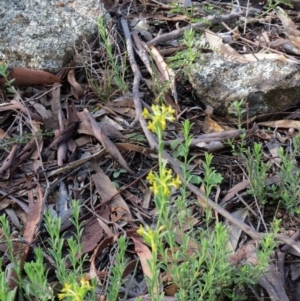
<point>41,34</point>
<point>267,85</point>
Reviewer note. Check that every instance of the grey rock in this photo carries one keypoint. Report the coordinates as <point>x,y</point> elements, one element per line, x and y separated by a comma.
<point>267,86</point>
<point>41,34</point>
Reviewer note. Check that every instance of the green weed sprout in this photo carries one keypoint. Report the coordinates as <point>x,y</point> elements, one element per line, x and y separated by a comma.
<point>4,72</point>
<point>73,290</point>
<point>117,271</point>
<point>238,110</point>
<point>273,3</point>
<point>37,284</point>
<point>257,171</point>
<point>118,71</point>
<point>6,293</point>
<point>34,284</point>
<point>186,58</point>
<point>289,175</point>
<point>287,192</point>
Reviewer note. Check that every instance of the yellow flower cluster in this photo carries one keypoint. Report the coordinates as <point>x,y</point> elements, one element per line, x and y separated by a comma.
<point>150,236</point>
<point>163,183</point>
<point>159,117</point>
<point>74,291</point>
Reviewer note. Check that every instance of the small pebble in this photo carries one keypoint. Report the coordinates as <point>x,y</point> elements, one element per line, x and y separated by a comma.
<point>224,192</point>
<point>80,179</point>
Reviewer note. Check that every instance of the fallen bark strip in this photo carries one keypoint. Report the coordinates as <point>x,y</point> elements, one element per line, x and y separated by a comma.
<point>25,110</point>
<point>34,217</point>
<point>140,49</point>
<point>26,152</point>
<point>272,282</point>
<point>95,130</point>
<point>8,162</point>
<point>211,20</point>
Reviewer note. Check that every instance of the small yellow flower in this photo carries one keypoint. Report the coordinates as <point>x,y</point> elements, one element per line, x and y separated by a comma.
<point>85,284</point>
<point>176,182</point>
<point>140,231</point>
<point>158,117</point>
<point>66,292</point>
<point>155,188</point>
<point>75,291</point>
<point>163,183</point>
<point>145,113</point>
<point>156,110</point>
<point>163,123</point>
<point>161,228</point>
<point>167,175</point>
<point>168,112</point>
<point>166,190</point>
<point>151,177</point>
<point>151,126</point>
<point>149,236</point>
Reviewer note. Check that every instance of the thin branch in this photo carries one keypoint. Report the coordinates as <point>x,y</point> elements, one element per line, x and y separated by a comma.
<point>219,136</point>
<point>206,22</point>
<point>135,70</point>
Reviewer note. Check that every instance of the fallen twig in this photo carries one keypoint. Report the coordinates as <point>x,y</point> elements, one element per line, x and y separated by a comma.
<point>220,136</point>
<point>135,70</point>
<point>208,21</point>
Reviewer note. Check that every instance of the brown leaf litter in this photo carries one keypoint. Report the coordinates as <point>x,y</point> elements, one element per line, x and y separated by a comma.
<point>82,143</point>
